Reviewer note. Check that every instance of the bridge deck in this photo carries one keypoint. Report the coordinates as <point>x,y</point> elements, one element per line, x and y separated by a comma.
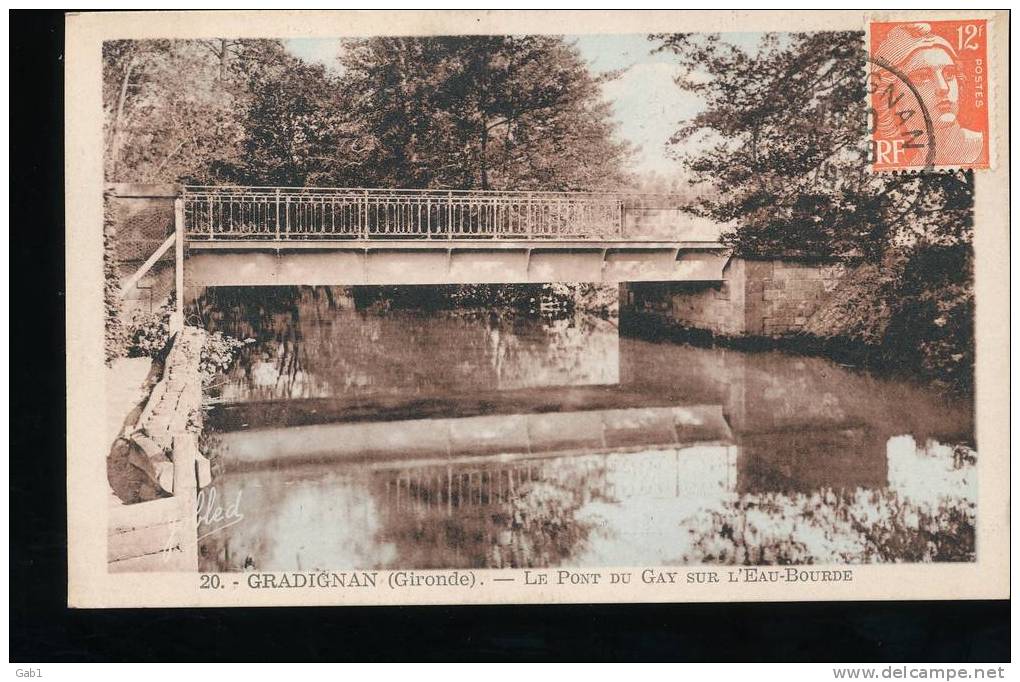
<point>251,236</point>
<point>447,244</point>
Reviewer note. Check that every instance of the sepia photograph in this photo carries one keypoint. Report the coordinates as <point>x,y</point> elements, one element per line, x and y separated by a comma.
<point>510,336</point>
<point>398,309</point>
<point>496,302</point>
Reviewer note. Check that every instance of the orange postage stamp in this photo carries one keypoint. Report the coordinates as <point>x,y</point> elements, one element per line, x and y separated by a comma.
<point>929,96</point>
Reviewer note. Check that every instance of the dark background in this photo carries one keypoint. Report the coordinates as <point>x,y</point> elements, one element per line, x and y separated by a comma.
<point>44,630</point>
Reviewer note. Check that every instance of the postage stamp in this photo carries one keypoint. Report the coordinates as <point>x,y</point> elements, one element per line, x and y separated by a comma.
<point>929,95</point>
<point>483,307</point>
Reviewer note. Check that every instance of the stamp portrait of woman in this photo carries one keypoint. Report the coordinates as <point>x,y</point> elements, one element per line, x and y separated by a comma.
<point>933,67</point>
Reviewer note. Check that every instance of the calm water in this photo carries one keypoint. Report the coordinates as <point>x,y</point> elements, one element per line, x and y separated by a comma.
<point>351,438</point>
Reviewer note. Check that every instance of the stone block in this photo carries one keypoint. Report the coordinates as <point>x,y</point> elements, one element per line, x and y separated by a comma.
<point>203,471</point>
<point>165,475</point>
<point>798,284</point>
<point>789,271</point>
<point>759,270</point>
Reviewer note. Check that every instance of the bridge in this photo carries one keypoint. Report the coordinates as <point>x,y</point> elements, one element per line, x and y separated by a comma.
<point>264,236</point>
<point>274,235</point>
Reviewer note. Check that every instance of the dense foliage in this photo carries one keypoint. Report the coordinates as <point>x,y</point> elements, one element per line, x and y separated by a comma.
<point>499,112</point>
<point>783,143</point>
<point>115,334</point>
<point>299,129</point>
<point>149,333</point>
<point>169,109</point>
<point>482,112</point>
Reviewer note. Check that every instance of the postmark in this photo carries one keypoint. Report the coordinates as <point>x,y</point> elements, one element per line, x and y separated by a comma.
<point>928,90</point>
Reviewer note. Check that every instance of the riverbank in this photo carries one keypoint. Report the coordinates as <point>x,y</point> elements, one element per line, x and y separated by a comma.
<point>154,468</point>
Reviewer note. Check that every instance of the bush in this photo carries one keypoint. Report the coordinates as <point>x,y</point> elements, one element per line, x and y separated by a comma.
<point>933,319</point>
<point>150,332</point>
<point>218,353</point>
<point>914,311</point>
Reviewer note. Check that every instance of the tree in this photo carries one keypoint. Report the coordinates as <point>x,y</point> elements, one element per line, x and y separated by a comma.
<point>482,112</point>
<point>787,153</point>
<point>168,114</point>
<point>298,125</point>
<point>787,148</point>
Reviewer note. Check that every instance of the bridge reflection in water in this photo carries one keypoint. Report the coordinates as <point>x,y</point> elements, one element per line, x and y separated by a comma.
<point>348,441</point>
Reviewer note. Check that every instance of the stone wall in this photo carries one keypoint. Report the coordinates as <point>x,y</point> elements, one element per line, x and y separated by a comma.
<point>783,295</point>
<point>756,298</point>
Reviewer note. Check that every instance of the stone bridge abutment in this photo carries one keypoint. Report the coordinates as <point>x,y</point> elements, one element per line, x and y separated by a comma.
<point>773,297</point>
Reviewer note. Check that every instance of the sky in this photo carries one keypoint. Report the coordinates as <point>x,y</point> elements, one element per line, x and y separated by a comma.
<point>647,103</point>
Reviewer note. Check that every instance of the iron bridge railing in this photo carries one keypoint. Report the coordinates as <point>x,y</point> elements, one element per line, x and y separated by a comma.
<point>288,213</point>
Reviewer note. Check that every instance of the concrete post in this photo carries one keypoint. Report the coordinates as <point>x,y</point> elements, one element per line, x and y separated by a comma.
<point>177,319</point>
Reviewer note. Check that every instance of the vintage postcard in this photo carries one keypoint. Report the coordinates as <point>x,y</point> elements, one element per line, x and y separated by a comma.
<point>527,307</point>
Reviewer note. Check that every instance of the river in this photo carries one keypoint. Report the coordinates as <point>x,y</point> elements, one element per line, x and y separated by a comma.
<point>360,437</point>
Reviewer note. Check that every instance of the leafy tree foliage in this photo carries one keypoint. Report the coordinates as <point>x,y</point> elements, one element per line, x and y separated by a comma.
<point>465,112</point>
<point>482,112</point>
<point>783,138</point>
<point>168,112</point>
<point>298,127</point>
<point>218,111</point>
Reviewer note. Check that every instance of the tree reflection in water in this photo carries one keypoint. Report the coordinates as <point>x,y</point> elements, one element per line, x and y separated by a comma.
<point>832,527</point>
<point>840,526</point>
<point>311,343</point>
<point>676,507</point>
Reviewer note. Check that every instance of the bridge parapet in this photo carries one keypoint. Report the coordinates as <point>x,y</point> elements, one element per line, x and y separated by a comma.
<point>309,213</point>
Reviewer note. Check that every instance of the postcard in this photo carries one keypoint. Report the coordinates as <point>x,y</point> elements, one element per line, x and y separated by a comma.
<point>454,307</point>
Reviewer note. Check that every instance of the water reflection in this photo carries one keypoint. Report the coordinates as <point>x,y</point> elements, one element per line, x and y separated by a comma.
<point>312,343</point>
<point>562,444</point>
